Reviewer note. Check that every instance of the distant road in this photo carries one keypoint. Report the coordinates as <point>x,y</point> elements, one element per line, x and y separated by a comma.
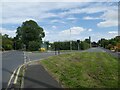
<point>100,49</point>
<point>38,55</point>
<point>10,61</point>
<point>96,49</point>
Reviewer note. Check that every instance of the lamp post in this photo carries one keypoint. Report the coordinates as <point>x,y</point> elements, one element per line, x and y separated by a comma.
<point>78,42</point>
<point>90,41</point>
<point>70,41</point>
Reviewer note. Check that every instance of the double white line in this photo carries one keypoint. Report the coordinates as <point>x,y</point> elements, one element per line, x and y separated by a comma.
<point>18,71</point>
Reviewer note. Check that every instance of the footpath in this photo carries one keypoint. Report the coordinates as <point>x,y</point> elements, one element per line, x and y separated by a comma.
<point>37,77</point>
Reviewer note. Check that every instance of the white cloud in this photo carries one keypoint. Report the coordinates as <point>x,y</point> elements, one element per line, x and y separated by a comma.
<point>15,20</point>
<point>107,35</point>
<point>11,33</point>
<point>89,30</point>
<point>90,18</point>
<point>113,32</point>
<point>72,18</point>
<point>46,32</point>
<point>107,23</point>
<point>73,31</point>
<point>57,21</point>
<point>110,19</point>
<point>14,12</point>
<point>54,27</point>
<point>109,16</point>
<point>54,21</point>
<point>90,9</point>
<point>18,12</point>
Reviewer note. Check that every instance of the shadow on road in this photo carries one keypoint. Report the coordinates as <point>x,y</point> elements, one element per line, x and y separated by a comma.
<point>40,83</point>
<point>27,78</point>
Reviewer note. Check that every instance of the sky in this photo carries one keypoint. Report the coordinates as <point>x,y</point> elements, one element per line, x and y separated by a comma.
<point>73,20</point>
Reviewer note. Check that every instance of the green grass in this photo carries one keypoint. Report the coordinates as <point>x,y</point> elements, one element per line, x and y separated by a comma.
<point>84,70</point>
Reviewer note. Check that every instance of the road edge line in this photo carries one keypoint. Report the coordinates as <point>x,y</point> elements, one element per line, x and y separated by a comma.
<point>17,74</point>
<point>18,71</point>
<point>11,78</point>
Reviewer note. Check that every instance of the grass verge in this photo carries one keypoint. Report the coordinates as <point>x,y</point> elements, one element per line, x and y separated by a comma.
<point>84,70</point>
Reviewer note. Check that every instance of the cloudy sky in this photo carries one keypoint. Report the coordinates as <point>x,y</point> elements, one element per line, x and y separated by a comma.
<point>83,19</point>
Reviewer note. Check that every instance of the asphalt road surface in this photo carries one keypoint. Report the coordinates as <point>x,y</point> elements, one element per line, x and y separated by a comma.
<point>37,77</point>
<point>10,61</point>
<point>100,49</point>
<point>37,55</point>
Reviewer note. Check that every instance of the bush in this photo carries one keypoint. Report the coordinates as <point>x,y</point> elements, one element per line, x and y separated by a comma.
<point>7,47</point>
<point>33,46</point>
<point>110,46</point>
<point>84,45</point>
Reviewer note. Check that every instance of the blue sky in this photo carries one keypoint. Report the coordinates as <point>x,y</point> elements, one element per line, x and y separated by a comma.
<point>84,19</point>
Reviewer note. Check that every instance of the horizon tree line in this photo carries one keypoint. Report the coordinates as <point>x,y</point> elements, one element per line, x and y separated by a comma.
<point>29,37</point>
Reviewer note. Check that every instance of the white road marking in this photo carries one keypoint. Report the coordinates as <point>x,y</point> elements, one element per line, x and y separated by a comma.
<point>11,78</point>
<point>15,81</point>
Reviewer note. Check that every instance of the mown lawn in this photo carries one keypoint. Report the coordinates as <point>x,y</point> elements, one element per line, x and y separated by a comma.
<point>84,70</point>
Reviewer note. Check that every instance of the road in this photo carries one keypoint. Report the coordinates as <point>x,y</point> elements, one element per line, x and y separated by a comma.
<point>12,59</point>
<point>37,55</point>
<point>99,49</point>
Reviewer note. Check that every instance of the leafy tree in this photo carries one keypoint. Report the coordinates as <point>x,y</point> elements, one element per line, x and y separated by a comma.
<point>87,40</point>
<point>30,31</point>
<point>17,44</point>
<point>103,42</point>
<point>7,43</point>
<point>65,45</point>
<point>112,43</point>
<point>47,43</point>
<point>84,45</point>
<point>33,46</point>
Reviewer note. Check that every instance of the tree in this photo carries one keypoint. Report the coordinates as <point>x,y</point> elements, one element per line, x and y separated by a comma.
<point>7,43</point>
<point>112,43</point>
<point>33,46</point>
<point>47,44</point>
<point>30,31</point>
<point>84,45</point>
<point>103,42</point>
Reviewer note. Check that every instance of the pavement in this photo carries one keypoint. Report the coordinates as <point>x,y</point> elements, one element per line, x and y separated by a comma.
<point>37,77</point>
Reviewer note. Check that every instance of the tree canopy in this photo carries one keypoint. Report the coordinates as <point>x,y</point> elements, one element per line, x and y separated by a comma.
<point>28,32</point>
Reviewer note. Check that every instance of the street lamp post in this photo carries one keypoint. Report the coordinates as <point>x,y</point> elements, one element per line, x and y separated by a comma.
<point>70,41</point>
<point>78,42</point>
<point>90,41</point>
